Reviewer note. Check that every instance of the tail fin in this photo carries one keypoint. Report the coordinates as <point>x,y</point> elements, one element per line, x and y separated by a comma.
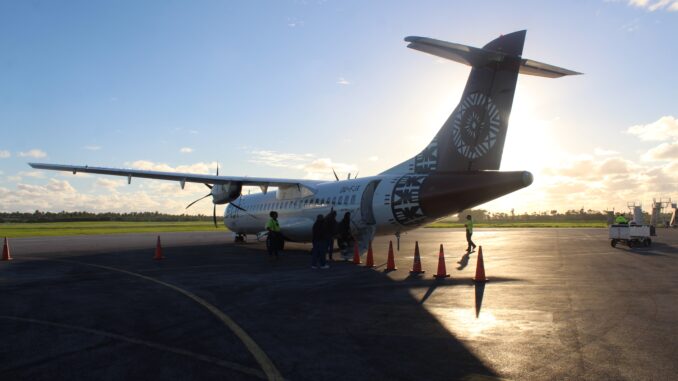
<point>473,137</point>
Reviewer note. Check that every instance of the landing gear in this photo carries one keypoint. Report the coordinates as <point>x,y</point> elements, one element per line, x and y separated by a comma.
<point>240,238</point>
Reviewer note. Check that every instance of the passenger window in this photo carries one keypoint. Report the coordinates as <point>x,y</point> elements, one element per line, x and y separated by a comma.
<point>339,202</point>
<point>334,200</point>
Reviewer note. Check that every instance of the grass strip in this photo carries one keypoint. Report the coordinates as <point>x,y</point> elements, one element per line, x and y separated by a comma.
<point>11,230</point>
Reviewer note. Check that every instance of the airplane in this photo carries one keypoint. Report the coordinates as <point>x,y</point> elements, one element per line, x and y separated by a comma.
<point>457,170</point>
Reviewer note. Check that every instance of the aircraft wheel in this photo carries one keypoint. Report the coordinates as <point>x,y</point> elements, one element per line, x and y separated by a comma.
<point>649,242</point>
<point>613,243</point>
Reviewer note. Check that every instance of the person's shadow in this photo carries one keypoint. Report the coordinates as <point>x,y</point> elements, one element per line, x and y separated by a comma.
<point>463,262</point>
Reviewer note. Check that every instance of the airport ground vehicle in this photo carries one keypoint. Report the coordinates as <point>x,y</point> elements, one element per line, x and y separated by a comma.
<point>631,235</point>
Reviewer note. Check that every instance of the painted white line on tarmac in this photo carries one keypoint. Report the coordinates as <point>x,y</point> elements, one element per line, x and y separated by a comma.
<point>179,351</point>
<point>272,373</point>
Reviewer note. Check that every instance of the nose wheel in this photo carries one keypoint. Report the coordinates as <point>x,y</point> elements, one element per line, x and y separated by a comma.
<point>240,238</point>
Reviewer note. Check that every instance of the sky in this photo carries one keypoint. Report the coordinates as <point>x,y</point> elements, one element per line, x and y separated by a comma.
<point>295,88</point>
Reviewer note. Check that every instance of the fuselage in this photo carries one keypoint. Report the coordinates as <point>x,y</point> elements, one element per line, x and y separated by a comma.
<point>379,205</point>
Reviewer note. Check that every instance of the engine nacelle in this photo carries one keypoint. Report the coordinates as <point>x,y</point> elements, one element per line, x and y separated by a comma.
<point>225,193</point>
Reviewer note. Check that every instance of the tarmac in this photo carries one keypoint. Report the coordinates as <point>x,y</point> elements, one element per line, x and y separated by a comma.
<point>559,304</point>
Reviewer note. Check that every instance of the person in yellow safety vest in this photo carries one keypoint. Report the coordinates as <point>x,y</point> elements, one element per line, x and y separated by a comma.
<point>621,220</point>
<point>469,232</point>
<point>274,237</point>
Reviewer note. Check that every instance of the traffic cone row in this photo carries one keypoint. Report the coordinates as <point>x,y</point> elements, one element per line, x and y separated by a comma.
<point>390,263</point>
<point>416,265</point>
<point>480,267</point>
<point>369,262</point>
<point>442,271</point>
<point>158,251</point>
<point>5,251</point>
<point>356,254</point>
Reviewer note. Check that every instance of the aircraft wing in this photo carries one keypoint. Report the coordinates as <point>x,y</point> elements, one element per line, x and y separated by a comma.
<point>183,178</point>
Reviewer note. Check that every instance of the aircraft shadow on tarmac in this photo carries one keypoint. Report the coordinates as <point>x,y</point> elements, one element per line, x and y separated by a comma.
<point>344,323</point>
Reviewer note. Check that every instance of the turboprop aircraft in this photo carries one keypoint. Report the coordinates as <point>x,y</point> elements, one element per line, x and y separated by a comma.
<point>457,170</point>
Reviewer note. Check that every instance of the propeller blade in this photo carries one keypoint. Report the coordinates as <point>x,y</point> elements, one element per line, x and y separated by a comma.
<point>239,207</point>
<point>243,209</point>
<point>349,176</point>
<point>214,215</point>
<point>207,195</point>
<point>217,169</point>
<point>335,174</point>
<point>356,175</point>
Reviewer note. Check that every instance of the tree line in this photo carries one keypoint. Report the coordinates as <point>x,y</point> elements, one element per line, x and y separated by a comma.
<point>63,216</point>
<point>550,215</point>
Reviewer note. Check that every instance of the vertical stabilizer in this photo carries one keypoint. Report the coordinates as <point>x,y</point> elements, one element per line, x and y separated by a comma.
<point>473,137</point>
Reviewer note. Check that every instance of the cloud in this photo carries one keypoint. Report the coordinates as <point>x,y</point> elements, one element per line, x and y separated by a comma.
<point>36,153</point>
<point>312,166</point>
<point>92,148</point>
<point>604,152</point>
<point>201,167</point>
<point>373,158</point>
<point>57,195</point>
<point>186,150</point>
<point>292,23</point>
<point>4,154</point>
<point>33,174</point>
<point>664,151</point>
<point>342,81</point>
<point>109,184</point>
<point>664,128</point>
<point>655,5</point>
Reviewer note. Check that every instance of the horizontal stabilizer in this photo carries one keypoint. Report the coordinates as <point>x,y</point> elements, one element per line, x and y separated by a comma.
<point>477,57</point>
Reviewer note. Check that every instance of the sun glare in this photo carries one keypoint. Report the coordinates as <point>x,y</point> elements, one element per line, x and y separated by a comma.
<point>531,143</point>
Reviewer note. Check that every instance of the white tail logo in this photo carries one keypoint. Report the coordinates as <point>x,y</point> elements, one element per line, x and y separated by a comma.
<point>475,126</point>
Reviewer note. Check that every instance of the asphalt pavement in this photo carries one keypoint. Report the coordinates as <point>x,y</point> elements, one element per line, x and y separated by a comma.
<point>559,304</point>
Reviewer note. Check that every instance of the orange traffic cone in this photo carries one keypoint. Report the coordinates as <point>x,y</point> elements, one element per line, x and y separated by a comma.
<point>369,262</point>
<point>480,267</point>
<point>158,251</point>
<point>356,253</point>
<point>416,266</point>
<point>442,272</point>
<point>390,263</point>
<point>5,251</point>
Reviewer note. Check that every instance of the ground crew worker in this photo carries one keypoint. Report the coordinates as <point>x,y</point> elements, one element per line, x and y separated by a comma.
<point>469,232</point>
<point>621,220</point>
<point>274,236</point>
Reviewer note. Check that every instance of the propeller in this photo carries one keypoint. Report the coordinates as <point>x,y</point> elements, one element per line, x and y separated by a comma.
<point>335,174</point>
<point>214,209</point>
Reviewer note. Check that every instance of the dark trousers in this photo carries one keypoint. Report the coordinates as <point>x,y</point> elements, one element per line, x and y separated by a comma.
<point>272,243</point>
<point>469,241</point>
<point>318,253</point>
<point>330,248</point>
